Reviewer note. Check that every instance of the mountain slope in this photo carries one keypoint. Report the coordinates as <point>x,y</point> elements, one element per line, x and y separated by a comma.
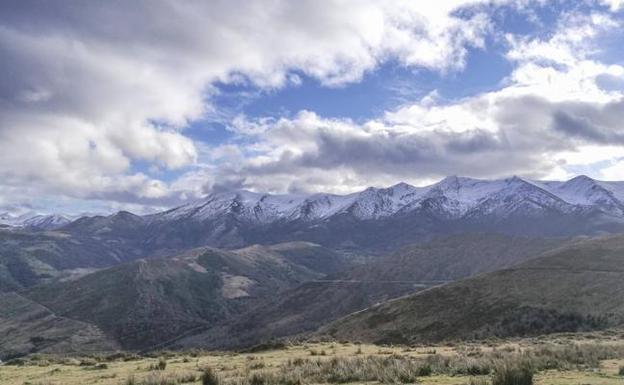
<point>26,326</point>
<point>314,303</point>
<point>144,303</point>
<point>28,258</point>
<point>576,287</point>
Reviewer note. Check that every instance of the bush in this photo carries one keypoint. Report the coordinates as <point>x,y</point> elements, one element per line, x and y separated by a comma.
<point>271,345</point>
<point>16,362</point>
<point>621,371</point>
<point>161,365</point>
<point>424,371</point>
<point>209,377</point>
<point>513,374</point>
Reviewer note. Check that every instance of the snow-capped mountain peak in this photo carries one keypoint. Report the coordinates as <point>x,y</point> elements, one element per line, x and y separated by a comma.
<point>585,191</point>
<point>452,198</point>
<point>35,221</point>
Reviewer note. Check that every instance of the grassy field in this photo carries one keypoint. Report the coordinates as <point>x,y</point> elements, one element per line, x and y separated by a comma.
<point>563,359</point>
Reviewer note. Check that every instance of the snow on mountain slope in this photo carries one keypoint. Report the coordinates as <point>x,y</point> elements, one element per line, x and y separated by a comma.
<point>617,188</point>
<point>319,206</point>
<point>517,196</point>
<point>35,221</point>
<point>374,203</point>
<point>244,204</point>
<point>453,197</point>
<point>582,190</point>
<point>46,222</point>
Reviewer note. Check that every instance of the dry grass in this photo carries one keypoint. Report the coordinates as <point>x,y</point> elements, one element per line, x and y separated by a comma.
<point>560,360</point>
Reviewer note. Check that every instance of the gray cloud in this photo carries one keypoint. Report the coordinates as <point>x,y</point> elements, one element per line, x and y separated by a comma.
<point>530,132</point>
<point>592,123</point>
<point>88,89</point>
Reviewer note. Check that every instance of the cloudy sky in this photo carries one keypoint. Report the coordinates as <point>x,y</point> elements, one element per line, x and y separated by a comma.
<point>141,105</point>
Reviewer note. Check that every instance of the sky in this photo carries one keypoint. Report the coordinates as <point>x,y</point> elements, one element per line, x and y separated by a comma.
<point>145,105</point>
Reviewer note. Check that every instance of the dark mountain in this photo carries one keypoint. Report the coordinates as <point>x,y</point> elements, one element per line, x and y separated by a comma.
<point>317,302</point>
<point>28,258</point>
<point>576,287</point>
<point>142,304</point>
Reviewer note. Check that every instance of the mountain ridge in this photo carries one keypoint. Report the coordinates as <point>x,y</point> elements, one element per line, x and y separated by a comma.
<point>379,202</point>
<point>373,221</point>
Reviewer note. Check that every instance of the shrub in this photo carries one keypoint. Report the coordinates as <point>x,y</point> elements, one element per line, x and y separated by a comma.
<point>513,374</point>
<point>160,365</point>
<point>271,345</point>
<point>424,371</point>
<point>257,379</point>
<point>209,377</point>
<point>16,362</point>
<point>621,371</point>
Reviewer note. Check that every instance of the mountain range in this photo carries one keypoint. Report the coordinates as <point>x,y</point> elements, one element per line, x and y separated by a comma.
<point>238,268</point>
<point>373,221</point>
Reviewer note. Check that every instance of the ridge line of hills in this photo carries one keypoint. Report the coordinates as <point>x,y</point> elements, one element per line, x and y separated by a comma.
<point>372,202</point>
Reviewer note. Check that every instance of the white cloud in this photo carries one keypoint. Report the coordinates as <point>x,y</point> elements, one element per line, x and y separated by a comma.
<point>549,117</point>
<point>97,87</point>
<point>615,171</point>
<point>614,5</point>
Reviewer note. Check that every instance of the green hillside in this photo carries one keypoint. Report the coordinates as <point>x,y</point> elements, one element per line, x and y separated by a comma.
<point>577,287</point>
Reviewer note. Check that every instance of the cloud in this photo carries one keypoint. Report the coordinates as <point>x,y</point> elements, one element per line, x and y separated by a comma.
<point>94,95</point>
<point>91,89</point>
<point>544,111</point>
